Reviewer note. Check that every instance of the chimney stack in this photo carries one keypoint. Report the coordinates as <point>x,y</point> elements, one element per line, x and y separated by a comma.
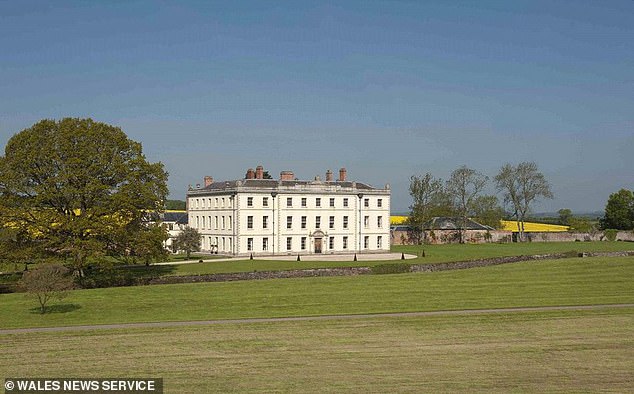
<point>287,176</point>
<point>259,172</point>
<point>328,176</point>
<point>342,174</point>
<point>208,180</point>
<point>250,174</point>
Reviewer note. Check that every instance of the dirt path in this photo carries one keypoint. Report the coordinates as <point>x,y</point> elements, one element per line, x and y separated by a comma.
<point>311,318</point>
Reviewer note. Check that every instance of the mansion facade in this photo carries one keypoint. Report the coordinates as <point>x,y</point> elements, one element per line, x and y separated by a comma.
<point>284,216</point>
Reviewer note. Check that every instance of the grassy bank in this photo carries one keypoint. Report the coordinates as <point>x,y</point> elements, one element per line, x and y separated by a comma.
<point>585,351</point>
<point>433,254</point>
<point>556,282</point>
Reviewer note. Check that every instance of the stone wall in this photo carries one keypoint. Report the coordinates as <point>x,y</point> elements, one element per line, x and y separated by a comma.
<point>580,237</point>
<point>458,265</point>
<point>256,275</point>
<point>437,237</point>
<point>479,236</point>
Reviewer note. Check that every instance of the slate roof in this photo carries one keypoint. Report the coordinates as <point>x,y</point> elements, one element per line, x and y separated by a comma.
<point>400,227</point>
<point>273,183</point>
<point>178,217</point>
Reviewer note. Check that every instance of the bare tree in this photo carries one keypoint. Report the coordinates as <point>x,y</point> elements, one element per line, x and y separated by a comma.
<point>47,281</point>
<point>464,185</point>
<point>429,200</point>
<point>521,186</point>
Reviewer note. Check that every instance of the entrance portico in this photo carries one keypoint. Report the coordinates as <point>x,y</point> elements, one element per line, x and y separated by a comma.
<point>318,244</point>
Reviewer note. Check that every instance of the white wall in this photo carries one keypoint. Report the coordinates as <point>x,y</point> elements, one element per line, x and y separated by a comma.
<point>236,232</point>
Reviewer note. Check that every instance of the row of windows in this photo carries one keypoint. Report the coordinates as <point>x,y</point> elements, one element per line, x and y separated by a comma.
<point>303,243</point>
<point>218,222</point>
<point>221,244</point>
<point>218,202</point>
<point>318,202</point>
<point>304,220</point>
<point>225,202</point>
<point>173,226</point>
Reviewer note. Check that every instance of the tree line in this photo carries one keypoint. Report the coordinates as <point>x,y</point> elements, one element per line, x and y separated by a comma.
<point>462,196</point>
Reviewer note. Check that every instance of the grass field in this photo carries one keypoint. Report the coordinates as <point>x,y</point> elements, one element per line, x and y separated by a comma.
<point>576,281</point>
<point>586,351</point>
<point>537,351</point>
<point>433,254</point>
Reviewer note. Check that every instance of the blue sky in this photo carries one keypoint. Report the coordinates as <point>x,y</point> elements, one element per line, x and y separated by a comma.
<point>386,89</point>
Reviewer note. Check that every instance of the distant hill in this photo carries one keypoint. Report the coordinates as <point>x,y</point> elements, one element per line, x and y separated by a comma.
<point>587,215</point>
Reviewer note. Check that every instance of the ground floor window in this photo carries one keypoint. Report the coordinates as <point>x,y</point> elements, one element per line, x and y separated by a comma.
<point>265,244</point>
<point>345,242</point>
<point>289,243</point>
<point>331,243</point>
<point>379,242</point>
<point>366,242</point>
<point>249,244</point>
<point>303,245</point>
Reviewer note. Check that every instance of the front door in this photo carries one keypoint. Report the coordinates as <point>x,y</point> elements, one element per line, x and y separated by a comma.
<point>317,245</point>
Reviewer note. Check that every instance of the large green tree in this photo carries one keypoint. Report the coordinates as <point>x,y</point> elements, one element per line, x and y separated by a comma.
<point>619,211</point>
<point>75,187</point>
<point>521,186</point>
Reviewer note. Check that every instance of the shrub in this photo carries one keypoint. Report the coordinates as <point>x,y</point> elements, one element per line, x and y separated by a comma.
<point>610,234</point>
<point>100,277</point>
<point>47,281</point>
<point>9,283</point>
<point>396,268</point>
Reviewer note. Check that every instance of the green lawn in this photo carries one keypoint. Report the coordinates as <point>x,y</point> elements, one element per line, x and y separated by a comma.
<point>433,254</point>
<point>455,252</point>
<point>574,281</point>
<point>193,256</point>
<point>585,351</point>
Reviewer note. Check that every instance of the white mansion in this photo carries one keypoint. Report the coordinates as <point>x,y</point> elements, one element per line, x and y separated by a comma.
<point>287,216</point>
